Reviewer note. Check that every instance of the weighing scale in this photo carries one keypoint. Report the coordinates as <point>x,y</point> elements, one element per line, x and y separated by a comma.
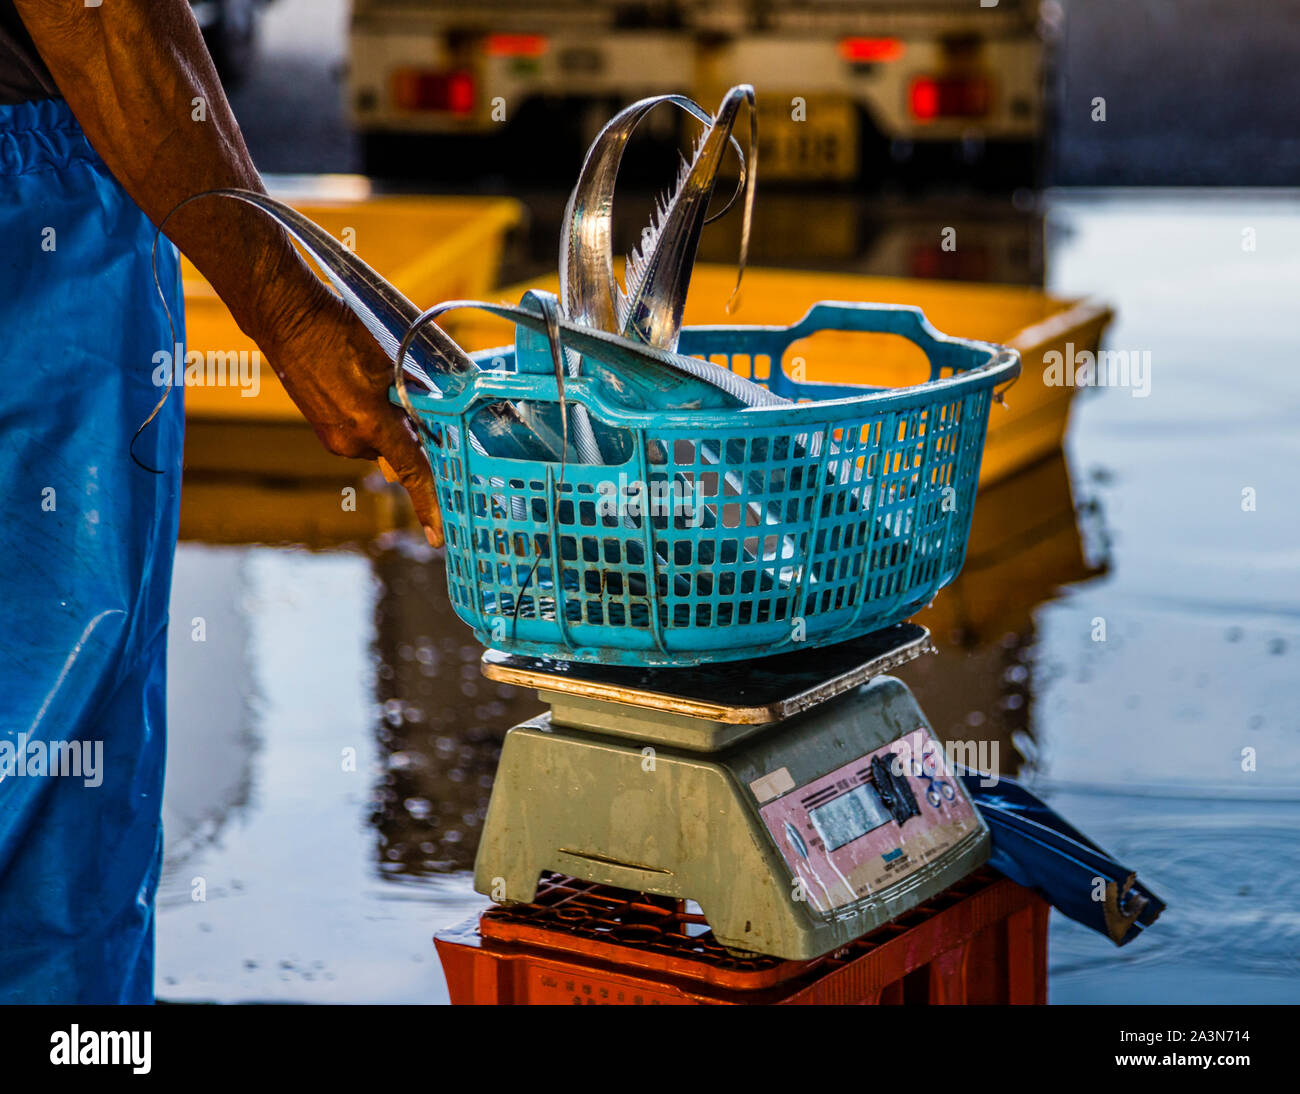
<point>801,800</point>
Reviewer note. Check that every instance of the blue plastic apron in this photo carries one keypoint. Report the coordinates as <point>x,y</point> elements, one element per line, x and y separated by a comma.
<point>86,545</point>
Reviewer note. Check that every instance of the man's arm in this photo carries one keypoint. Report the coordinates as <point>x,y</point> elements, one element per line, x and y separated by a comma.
<point>130,72</point>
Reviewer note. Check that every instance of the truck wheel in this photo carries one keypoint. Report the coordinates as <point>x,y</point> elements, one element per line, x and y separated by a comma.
<point>232,39</point>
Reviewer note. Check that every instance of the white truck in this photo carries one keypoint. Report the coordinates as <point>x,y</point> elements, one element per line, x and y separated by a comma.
<point>847,88</point>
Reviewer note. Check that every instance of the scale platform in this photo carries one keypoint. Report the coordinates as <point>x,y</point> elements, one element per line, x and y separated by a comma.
<point>800,800</point>
<point>708,707</point>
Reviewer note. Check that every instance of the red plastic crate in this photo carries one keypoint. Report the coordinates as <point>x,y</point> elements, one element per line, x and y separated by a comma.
<point>982,941</point>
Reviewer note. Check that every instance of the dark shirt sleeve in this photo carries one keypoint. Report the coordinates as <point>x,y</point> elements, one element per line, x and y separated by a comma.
<point>23,75</point>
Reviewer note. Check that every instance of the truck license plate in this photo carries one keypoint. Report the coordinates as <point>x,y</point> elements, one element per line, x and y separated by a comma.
<point>823,145</point>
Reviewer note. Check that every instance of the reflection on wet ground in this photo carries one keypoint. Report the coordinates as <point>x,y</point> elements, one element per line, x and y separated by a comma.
<point>441,725</point>
<point>333,744</point>
<point>998,238</point>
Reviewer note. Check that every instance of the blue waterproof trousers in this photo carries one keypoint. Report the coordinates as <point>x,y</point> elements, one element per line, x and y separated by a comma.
<point>86,544</point>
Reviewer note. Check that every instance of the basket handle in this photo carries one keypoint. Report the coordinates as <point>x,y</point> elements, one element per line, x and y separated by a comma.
<point>907,321</point>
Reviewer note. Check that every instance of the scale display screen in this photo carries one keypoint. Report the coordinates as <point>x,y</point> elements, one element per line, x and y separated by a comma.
<point>848,817</point>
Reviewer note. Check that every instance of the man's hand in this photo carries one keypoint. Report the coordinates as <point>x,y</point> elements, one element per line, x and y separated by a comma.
<point>141,83</point>
<point>339,378</point>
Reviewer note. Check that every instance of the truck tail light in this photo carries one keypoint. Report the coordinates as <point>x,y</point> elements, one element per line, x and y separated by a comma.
<point>869,51</point>
<point>515,45</point>
<point>426,89</point>
<point>932,97</point>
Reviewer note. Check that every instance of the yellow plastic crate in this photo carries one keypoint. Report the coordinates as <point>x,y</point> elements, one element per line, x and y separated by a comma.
<point>1030,426</point>
<point>431,248</point>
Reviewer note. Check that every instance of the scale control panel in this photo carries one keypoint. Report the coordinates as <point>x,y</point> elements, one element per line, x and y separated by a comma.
<point>864,827</point>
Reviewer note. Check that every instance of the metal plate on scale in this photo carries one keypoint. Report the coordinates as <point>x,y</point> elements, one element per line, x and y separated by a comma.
<point>711,706</point>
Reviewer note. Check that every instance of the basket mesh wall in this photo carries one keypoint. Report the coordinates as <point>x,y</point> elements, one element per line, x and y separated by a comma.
<point>718,543</point>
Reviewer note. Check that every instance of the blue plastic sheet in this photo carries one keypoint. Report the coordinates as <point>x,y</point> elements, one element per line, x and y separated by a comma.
<point>86,544</point>
<point>1036,847</point>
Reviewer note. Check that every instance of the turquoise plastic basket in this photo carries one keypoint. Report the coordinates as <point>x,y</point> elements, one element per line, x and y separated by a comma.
<point>719,534</point>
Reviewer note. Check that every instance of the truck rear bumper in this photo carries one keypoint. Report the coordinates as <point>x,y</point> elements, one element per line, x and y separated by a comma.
<point>501,73</point>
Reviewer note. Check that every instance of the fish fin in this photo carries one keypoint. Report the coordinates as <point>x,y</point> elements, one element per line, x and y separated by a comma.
<point>588,288</point>
<point>654,294</point>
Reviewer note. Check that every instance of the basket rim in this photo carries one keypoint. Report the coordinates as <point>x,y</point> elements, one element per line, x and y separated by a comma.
<point>1002,365</point>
